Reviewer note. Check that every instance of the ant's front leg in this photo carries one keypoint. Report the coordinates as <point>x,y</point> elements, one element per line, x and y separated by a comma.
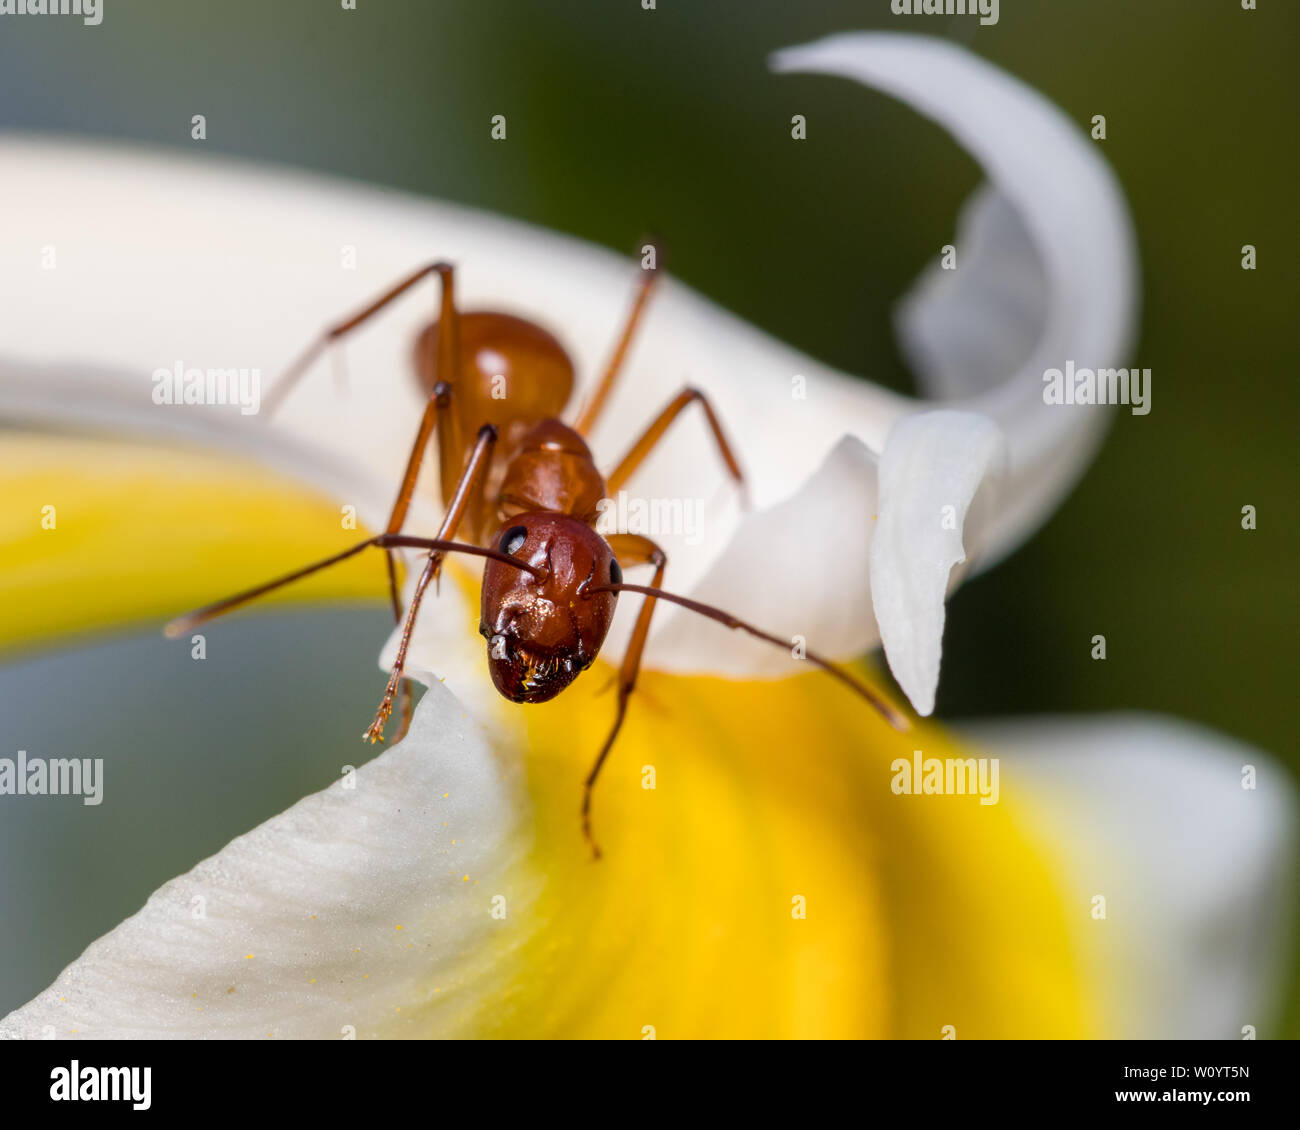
<point>437,413</point>
<point>468,490</point>
<point>630,549</point>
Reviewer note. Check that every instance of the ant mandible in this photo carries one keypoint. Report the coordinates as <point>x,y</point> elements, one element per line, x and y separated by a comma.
<point>522,488</point>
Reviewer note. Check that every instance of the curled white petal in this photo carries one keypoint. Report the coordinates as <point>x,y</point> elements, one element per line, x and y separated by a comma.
<point>967,328</point>
<point>933,465</point>
<point>1067,200</point>
<point>1189,839</point>
<point>365,909</point>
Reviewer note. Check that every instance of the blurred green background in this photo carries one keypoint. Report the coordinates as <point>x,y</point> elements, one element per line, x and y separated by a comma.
<point>623,120</point>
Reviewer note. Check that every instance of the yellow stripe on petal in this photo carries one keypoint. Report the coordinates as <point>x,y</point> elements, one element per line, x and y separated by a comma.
<point>772,799</point>
<point>98,533</point>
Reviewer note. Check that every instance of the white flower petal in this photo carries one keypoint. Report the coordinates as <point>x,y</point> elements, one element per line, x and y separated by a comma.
<point>1070,204</point>
<point>367,907</point>
<point>967,329</point>
<point>832,511</point>
<point>933,465</point>
<point>1198,872</point>
<point>87,398</point>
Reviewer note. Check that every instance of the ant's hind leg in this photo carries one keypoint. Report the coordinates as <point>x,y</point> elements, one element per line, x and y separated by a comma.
<point>630,549</point>
<point>294,372</point>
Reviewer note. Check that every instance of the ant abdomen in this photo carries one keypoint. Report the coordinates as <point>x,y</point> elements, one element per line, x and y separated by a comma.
<point>510,370</point>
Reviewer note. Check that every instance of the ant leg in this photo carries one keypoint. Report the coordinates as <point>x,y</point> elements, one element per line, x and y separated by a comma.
<point>889,712</point>
<point>469,489</point>
<point>435,410</point>
<point>395,598</point>
<point>451,449</point>
<point>290,378</point>
<point>590,412</point>
<point>437,414</point>
<point>630,549</point>
<point>655,432</point>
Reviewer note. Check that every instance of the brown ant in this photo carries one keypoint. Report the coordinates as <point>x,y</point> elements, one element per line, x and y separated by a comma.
<point>522,488</point>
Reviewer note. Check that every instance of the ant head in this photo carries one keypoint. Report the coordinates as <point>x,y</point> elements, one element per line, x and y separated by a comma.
<point>541,630</point>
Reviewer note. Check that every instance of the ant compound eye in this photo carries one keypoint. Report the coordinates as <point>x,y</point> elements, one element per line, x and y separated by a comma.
<point>513,539</point>
<point>615,572</point>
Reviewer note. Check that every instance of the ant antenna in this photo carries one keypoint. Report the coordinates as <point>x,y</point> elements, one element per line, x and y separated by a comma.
<point>890,713</point>
<point>192,620</point>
